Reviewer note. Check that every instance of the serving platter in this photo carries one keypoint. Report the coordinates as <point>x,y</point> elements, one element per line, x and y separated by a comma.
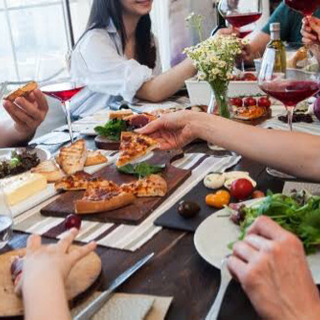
<point>43,154</point>
<point>215,234</point>
<point>132,214</point>
<point>81,278</point>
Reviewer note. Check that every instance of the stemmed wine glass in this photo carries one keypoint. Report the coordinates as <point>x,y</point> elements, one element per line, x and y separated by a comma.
<point>290,86</point>
<point>307,8</point>
<point>64,90</point>
<point>241,13</point>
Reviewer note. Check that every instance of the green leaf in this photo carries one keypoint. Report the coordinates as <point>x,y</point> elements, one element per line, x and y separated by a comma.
<point>112,129</point>
<point>141,170</point>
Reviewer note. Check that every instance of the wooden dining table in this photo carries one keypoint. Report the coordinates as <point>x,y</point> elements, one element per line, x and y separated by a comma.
<point>177,270</point>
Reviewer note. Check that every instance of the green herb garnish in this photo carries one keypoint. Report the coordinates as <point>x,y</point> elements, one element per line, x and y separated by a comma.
<point>112,129</point>
<point>141,170</point>
<point>298,213</point>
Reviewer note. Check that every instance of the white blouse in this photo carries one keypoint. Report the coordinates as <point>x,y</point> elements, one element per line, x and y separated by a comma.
<point>110,77</point>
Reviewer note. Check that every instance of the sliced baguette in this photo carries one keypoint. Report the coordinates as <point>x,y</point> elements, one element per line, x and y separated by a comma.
<point>49,170</point>
<point>72,159</point>
<point>22,91</point>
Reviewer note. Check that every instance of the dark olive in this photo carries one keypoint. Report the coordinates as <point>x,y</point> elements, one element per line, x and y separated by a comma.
<point>188,209</point>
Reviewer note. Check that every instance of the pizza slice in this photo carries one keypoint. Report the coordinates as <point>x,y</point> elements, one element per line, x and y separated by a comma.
<point>94,158</point>
<point>74,182</point>
<point>96,200</point>
<point>134,146</point>
<point>152,186</point>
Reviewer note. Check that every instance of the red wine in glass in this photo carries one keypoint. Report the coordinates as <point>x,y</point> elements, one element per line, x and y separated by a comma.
<point>64,92</point>
<point>306,7</point>
<point>244,33</point>
<point>291,92</point>
<point>239,20</point>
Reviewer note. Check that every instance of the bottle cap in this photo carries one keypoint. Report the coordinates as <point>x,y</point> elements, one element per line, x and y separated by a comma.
<point>275,26</point>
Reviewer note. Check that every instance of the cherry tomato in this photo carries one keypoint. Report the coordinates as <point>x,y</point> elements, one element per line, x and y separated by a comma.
<point>219,199</point>
<point>249,77</point>
<point>241,189</point>
<point>248,102</point>
<point>72,221</point>
<point>257,194</point>
<point>264,102</point>
<point>236,102</point>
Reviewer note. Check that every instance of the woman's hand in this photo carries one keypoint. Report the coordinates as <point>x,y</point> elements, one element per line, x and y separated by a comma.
<point>310,31</point>
<point>173,130</point>
<point>271,266</point>
<point>27,113</point>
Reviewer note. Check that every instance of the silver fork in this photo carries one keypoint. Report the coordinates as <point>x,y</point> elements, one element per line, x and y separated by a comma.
<point>225,280</point>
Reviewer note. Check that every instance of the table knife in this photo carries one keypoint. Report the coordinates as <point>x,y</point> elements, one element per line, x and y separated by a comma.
<point>99,302</point>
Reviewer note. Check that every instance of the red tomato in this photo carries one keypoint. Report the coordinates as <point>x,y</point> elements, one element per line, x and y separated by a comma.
<point>250,102</point>
<point>258,194</point>
<point>249,77</point>
<point>72,221</point>
<point>236,102</point>
<point>241,189</point>
<point>264,102</point>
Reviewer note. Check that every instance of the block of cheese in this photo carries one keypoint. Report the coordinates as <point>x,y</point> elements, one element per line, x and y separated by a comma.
<point>23,186</point>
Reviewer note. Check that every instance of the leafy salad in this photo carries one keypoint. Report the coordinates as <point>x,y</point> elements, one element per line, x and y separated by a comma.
<point>141,170</point>
<point>298,213</point>
<point>112,129</point>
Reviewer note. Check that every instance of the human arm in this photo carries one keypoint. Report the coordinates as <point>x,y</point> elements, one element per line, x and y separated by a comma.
<point>271,266</point>
<point>44,271</point>
<point>27,114</point>
<point>292,152</point>
<point>311,35</point>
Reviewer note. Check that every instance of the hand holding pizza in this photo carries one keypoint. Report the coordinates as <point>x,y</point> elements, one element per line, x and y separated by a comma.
<point>173,130</point>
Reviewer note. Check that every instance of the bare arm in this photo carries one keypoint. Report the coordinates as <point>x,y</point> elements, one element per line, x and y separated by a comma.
<point>256,47</point>
<point>295,153</point>
<point>168,83</point>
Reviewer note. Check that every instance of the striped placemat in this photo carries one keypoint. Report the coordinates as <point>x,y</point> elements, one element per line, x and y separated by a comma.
<point>125,237</point>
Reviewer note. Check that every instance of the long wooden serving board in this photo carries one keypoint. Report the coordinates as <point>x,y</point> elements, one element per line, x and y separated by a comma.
<point>134,213</point>
<point>83,275</point>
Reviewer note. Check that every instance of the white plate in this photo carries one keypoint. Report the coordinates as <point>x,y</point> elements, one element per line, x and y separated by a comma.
<point>215,233</point>
<point>5,153</point>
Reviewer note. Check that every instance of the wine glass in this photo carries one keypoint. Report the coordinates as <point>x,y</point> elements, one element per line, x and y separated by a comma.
<point>64,90</point>
<point>290,84</point>
<point>241,14</point>
<point>6,221</point>
<point>307,8</point>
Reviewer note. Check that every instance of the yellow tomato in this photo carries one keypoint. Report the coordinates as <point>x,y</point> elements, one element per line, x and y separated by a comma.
<point>219,199</point>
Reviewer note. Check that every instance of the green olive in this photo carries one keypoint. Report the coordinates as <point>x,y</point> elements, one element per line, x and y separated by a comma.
<point>188,209</point>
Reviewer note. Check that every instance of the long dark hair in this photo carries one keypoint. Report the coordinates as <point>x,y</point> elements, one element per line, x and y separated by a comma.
<point>104,10</point>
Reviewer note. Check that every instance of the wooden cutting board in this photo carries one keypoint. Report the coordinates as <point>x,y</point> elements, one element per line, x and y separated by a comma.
<point>81,278</point>
<point>134,213</point>
<point>106,144</point>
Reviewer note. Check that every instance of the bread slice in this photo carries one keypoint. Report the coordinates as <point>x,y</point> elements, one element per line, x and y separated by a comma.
<point>72,159</point>
<point>50,170</point>
<point>100,200</point>
<point>121,114</point>
<point>22,91</point>
<point>95,158</point>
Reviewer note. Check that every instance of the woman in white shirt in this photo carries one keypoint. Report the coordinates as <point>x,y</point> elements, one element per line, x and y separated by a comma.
<point>118,58</point>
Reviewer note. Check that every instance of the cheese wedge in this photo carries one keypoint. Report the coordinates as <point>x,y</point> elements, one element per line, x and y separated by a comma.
<point>21,187</point>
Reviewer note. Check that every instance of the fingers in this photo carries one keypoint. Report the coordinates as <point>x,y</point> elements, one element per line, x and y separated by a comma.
<point>41,99</point>
<point>67,240</point>
<point>80,252</point>
<point>152,127</point>
<point>236,267</point>
<point>33,243</point>
<point>244,251</point>
<point>267,228</point>
<point>19,116</point>
<point>29,108</point>
<point>257,242</point>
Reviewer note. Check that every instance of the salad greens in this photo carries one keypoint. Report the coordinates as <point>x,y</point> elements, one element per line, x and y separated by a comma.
<point>298,213</point>
<point>112,129</point>
<point>141,170</point>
